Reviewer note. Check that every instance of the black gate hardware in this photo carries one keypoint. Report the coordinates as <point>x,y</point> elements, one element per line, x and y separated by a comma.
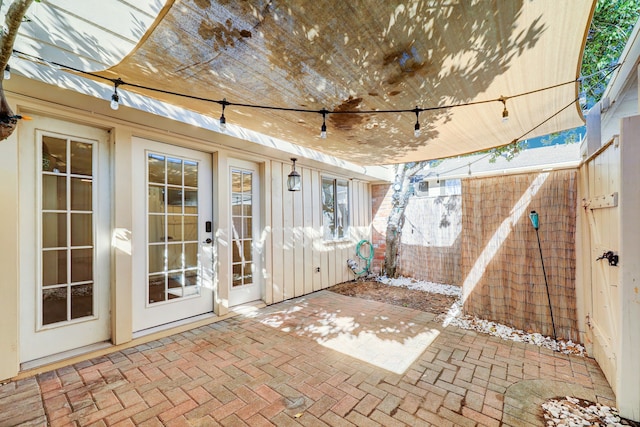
<point>609,256</point>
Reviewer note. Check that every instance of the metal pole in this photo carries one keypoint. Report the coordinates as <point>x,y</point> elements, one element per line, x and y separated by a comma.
<point>547,286</point>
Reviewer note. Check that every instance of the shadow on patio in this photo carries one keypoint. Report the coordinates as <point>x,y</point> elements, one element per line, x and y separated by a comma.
<point>279,366</point>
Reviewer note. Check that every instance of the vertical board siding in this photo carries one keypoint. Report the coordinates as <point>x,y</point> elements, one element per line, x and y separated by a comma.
<point>288,254</point>
<point>316,225</point>
<point>298,255</point>
<point>307,231</point>
<point>277,233</point>
<point>297,249</point>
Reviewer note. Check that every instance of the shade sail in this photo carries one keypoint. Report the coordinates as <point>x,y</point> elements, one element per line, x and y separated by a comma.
<point>370,55</point>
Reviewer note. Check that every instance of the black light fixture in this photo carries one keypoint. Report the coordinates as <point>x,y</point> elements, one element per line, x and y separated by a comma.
<point>505,112</point>
<point>416,128</point>
<point>115,98</point>
<point>223,120</point>
<point>323,128</point>
<point>294,181</point>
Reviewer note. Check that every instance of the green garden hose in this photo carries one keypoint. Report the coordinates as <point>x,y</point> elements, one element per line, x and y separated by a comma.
<point>367,259</point>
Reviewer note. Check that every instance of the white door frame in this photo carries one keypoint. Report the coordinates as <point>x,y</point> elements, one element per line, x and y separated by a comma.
<point>239,295</point>
<point>38,340</point>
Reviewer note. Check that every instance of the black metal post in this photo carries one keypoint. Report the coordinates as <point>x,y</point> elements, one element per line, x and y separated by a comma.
<point>547,286</point>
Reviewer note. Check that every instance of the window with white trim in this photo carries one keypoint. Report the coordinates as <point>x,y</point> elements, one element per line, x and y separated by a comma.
<point>67,230</point>
<point>335,208</point>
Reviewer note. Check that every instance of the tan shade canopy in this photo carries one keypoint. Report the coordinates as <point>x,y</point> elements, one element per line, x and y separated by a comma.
<point>366,55</point>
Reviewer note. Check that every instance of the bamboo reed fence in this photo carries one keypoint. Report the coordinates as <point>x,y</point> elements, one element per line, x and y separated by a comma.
<point>509,287</point>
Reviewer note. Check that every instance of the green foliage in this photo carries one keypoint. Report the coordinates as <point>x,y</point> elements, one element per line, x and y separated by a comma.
<point>507,151</point>
<point>610,28</point>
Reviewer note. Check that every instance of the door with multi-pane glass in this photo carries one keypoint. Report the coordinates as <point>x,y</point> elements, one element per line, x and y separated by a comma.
<point>65,238</point>
<point>244,283</point>
<point>172,235</point>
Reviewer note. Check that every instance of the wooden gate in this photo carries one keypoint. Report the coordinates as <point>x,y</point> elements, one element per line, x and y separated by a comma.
<point>599,217</point>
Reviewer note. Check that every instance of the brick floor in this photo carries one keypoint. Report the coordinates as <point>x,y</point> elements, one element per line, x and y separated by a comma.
<point>319,360</point>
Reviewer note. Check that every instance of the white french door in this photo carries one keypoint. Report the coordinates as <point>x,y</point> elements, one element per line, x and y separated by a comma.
<point>65,235</point>
<point>244,281</point>
<point>172,234</point>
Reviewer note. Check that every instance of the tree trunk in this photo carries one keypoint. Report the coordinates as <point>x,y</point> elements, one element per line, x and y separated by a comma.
<point>399,200</point>
<point>13,19</point>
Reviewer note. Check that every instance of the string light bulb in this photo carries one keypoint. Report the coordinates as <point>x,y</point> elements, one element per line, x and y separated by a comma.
<point>583,98</point>
<point>416,128</point>
<point>582,95</point>
<point>223,120</point>
<point>7,72</point>
<point>505,112</point>
<point>115,98</point>
<point>323,128</point>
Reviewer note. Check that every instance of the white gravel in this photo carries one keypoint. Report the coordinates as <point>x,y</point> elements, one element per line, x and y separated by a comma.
<point>573,412</point>
<point>455,317</point>
<point>419,285</point>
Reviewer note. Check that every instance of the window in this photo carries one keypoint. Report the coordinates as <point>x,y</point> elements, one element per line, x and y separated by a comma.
<point>242,235</point>
<point>67,209</point>
<point>173,268</point>
<point>335,208</point>
<point>440,187</point>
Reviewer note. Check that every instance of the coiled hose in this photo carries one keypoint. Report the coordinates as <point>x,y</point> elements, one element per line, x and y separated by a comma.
<point>367,259</point>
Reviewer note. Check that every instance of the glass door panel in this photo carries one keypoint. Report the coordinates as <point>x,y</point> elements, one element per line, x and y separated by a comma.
<point>241,220</point>
<point>172,243</point>
<point>67,236</point>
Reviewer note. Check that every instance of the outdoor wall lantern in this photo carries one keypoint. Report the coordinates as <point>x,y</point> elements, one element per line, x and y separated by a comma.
<point>294,181</point>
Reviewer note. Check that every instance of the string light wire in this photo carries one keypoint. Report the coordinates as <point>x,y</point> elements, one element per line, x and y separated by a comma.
<point>324,112</point>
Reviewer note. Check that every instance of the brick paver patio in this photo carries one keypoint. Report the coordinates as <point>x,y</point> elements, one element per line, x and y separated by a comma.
<point>319,360</point>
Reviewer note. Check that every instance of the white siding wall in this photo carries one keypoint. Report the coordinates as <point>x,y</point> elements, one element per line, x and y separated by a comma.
<point>297,247</point>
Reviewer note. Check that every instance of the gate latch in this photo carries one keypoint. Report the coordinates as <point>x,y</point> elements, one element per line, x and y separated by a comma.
<point>609,256</point>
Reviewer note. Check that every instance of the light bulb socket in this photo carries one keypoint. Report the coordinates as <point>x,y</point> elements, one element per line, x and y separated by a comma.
<point>7,72</point>
<point>223,120</point>
<point>416,130</point>
<point>323,128</point>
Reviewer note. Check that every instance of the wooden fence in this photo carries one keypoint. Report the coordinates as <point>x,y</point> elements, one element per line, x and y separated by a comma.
<point>484,242</point>
<point>502,273</point>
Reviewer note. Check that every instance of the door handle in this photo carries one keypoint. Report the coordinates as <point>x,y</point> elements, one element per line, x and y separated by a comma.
<point>208,240</point>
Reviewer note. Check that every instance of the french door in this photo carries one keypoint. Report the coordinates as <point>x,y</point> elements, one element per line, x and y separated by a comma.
<point>244,282</point>
<point>172,234</point>
<point>64,228</point>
